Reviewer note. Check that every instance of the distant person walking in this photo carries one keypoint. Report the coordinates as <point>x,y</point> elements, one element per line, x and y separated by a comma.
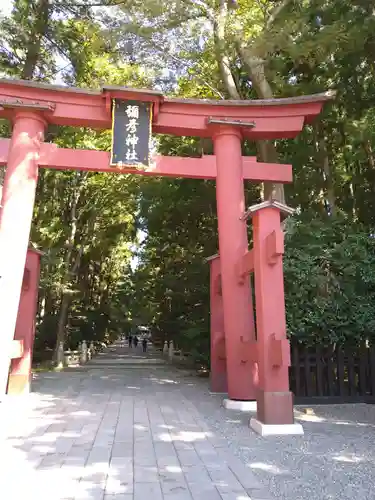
<point>130,340</point>
<point>135,341</point>
<point>144,345</point>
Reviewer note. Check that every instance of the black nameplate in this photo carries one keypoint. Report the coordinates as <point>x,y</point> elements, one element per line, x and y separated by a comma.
<point>131,133</point>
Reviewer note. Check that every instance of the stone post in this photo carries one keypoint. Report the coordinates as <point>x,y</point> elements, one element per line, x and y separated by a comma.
<point>171,350</point>
<point>165,347</point>
<point>60,356</point>
<point>83,352</point>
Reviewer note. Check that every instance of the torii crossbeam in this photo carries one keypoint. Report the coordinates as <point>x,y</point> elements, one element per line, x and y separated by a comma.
<point>51,156</point>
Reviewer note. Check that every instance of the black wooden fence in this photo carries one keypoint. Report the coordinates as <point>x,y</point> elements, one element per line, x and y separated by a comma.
<point>336,374</point>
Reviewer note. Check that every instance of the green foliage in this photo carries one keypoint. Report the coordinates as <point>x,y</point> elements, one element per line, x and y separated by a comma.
<point>171,283</point>
<point>92,225</point>
<point>329,270</point>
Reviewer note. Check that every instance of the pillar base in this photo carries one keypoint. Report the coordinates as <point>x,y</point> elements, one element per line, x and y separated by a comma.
<point>233,404</point>
<point>18,385</point>
<point>218,384</point>
<point>275,408</point>
<point>265,430</point>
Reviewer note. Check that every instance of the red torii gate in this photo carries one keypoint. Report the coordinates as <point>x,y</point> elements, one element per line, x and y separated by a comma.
<point>31,106</point>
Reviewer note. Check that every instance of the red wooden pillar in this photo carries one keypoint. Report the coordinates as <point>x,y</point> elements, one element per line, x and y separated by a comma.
<point>15,221</point>
<point>20,369</point>
<point>233,244</point>
<point>218,369</point>
<point>274,400</point>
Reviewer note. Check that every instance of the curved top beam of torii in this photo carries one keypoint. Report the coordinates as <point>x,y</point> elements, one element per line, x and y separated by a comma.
<point>270,118</point>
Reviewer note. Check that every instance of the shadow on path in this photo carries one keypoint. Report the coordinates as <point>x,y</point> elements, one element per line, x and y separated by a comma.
<point>121,432</point>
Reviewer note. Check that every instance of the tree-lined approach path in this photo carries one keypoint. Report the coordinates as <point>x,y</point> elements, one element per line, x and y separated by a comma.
<point>120,428</point>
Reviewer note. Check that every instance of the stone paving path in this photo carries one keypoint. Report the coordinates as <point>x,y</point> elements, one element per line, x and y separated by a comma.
<point>120,428</point>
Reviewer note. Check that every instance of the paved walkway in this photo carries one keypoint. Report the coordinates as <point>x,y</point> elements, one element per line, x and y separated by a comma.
<point>130,427</point>
<point>123,427</point>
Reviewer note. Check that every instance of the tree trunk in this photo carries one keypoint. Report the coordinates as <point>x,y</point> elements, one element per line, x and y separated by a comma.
<point>33,50</point>
<point>328,176</point>
<point>256,68</point>
<point>61,325</point>
<point>369,153</point>
<point>220,51</point>
<point>66,297</point>
<point>71,264</point>
<point>255,65</point>
<point>267,152</point>
<point>323,161</point>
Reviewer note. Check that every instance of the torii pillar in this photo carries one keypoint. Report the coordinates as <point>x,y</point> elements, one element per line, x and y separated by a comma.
<point>15,220</point>
<point>233,244</point>
<point>274,399</point>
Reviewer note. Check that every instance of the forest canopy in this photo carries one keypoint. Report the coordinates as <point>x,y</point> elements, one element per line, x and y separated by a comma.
<point>126,250</point>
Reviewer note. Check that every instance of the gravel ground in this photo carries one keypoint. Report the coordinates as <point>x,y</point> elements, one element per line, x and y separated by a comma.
<point>335,459</point>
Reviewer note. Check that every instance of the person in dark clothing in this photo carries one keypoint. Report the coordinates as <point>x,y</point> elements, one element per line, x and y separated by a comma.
<point>135,341</point>
<point>130,340</point>
<point>144,345</point>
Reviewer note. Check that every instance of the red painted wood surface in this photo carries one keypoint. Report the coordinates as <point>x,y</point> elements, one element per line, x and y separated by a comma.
<point>276,118</point>
<point>32,105</point>
<point>275,404</point>
<point>218,368</point>
<point>167,166</point>
<point>20,370</point>
<point>233,244</point>
<point>245,266</point>
<point>16,213</point>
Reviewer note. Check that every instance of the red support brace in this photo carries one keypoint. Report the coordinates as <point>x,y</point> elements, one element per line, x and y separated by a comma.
<point>245,266</point>
<point>20,369</point>
<point>218,370</point>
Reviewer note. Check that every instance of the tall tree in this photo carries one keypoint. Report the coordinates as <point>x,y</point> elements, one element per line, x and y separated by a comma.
<point>243,34</point>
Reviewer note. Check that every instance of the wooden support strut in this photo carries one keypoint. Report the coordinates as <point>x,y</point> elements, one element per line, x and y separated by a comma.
<point>248,351</point>
<point>279,352</point>
<point>54,157</point>
<point>245,266</point>
<point>274,246</point>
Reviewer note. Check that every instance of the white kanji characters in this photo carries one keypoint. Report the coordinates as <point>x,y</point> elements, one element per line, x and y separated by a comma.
<point>131,126</point>
<point>131,155</point>
<point>131,140</point>
<point>132,111</point>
